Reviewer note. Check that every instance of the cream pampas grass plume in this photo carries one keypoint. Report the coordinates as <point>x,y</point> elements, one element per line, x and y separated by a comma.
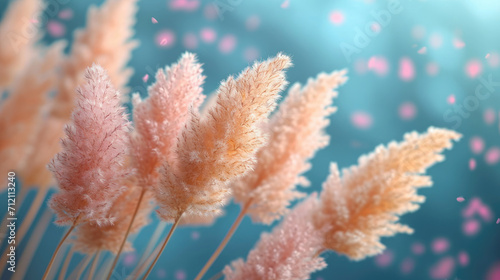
<point>21,112</point>
<point>159,118</point>
<point>89,169</point>
<point>296,132</point>
<point>221,145</point>
<point>365,203</point>
<point>106,40</point>
<point>289,252</point>
<point>18,30</point>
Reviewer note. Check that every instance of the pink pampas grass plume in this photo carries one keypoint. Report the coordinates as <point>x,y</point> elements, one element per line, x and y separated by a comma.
<point>365,204</point>
<point>296,132</point>
<point>289,252</point>
<point>19,31</point>
<point>21,111</point>
<point>89,169</point>
<point>159,118</point>
<point>220,145</point>
<point>105,40</point>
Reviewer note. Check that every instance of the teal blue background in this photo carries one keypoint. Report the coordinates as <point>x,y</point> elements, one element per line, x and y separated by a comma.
<point>304,31</point>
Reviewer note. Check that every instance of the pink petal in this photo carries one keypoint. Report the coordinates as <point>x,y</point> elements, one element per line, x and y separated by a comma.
<point>145,78</point>
<point>460,199</point>
<point>153,20</point>
<point>285,4</point>
<point>476,145</point>
<point>492,155</point>
<point>406,69</point>
<point>443,269</point>
<point>472,164</point>
<point>473,68</point>
<point>361,120</point>
<point>337,17</point>
<point>407,111</point>
<point>463,258</point>
<point>440,245</point>
<point>227,44</point>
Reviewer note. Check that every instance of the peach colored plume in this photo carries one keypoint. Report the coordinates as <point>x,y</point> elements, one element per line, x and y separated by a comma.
<point>21,111</point>
<point>105,40</point>
<point>365,204</point>
<point>221,144</point>
<point>289,252</point>
<point>19,31</point>
<point>159,118</point>
<point>296,132</point>
<point>89,169</point>
<point>92,237</point>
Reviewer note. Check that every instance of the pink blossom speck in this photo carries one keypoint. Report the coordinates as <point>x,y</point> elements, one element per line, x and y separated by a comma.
<point>494,60</point>
<point>184,5</point>
<point>385,259</point>
<point>210,12</point>
<point>251,54</point>
<point>375,27</point>
<point>463,258</point>
<point>361,120</point>
<point>406,69</point>
<point>145,78</point>
<point>440,245</point>
<point>494,272</point>
<point>460,199</point>
<point>379,65</point>
<point>195,235</point>
<point>360,66</point>
<point>418,248</point>
<point>337,17</point>
<point>443,269</point>
<point>180,275</point>
<point>208,35</point>
<point>165,38</point>
<point>252,23</point>
<point>56,29</point>
<point>422,50</point>
<point>66,14</point>
<point>459,44</point>
<point>190,41</point>
<point>227,44</point>
<point>471,227</point>
<point>407,111</point>
<point>285,4</point>
<point>407,266</point>
<point>432,69</point>
<point>492,155</point>
<point>129,259</point>
<point>473,68</point>
<point>418,32</point>
<point>489,116</point>
<point>472,164</point>
<point>476,144</point>
<point>436,41</point>
<point>451,99</point>
<point>154,21</point>
<point>498,221</point>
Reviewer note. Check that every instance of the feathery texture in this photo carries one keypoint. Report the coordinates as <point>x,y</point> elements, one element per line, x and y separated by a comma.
<point>289,252</point>
<point>105,40</point>
<point>296,132</point>
<point>93,237</point>
<point>18,32</point>
<point>365,204</point>
<point>159,118</point>
<point>221,145</point>
<point>20,113</point>
<point>89,169</point>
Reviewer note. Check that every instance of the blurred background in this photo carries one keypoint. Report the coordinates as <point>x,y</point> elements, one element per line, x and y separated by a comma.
<point>412,64</point>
